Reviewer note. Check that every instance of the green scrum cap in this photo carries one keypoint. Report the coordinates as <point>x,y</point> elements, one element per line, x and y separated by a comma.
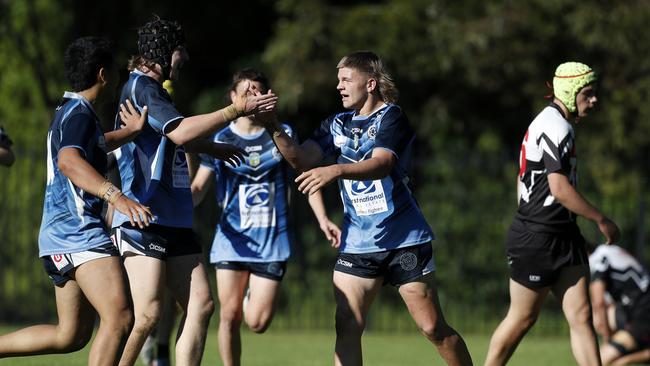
<point>569,78</point>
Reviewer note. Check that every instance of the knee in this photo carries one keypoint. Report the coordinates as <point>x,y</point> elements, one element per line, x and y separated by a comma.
<point>230,317</point>
<point>147,320</point>
<point>71,340</point>
<point>258,324</point>
<point>579,316</point>
<point>436,331</point>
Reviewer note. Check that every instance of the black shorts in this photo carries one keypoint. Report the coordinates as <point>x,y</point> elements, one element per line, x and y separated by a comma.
<point>155,241</point>
<point>59,266</point>
<point>271,270</point>
<point>536,259</point>
<point>397,266</point>
<point>638,322</point>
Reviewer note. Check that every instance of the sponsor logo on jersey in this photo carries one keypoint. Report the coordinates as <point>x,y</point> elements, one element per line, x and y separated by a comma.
<point>254,159</point>
<point>180,172</point>
<point>344,263</point>
<point>408,261</point>
<point>339,140</point>
<point>367,197</point>
<point>256,205</point>
<point>249,149</point>
<point>372,132</point>
<point>276,154</point>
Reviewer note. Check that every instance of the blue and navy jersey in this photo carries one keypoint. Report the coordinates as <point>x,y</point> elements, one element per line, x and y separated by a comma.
<point>72,219</point>
<point>254,200</point>
<point>153,169</point>
<point>381,214</point>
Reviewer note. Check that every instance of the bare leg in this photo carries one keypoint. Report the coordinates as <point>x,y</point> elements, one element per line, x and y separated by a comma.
<point>164,329</point>
<point>525,305</point>
<point>261,305</point>
<point>230,289</point>
<point>572,290</point>
<point>76,322</point>
<point>146,280</point>
<point>421,299</point>
<point>187,280</point>
<point>354,295</point>
<point>103,281</point>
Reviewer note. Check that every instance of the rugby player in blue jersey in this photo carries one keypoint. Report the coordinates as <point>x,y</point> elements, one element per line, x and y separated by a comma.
<point>74,243</point>
<point>385,238</point>
<point>154,171</point>
<point>252,241</point>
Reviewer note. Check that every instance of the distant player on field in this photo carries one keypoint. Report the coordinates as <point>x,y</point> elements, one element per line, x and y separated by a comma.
<point>385,238</point>
<point>73,242</point>
<point>252,242</point>
<point>545,249</point>
<point>616,273</point>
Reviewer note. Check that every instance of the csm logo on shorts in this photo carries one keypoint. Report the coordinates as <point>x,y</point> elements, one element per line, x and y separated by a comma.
<point>156,247</point>
<point>534,278</point>
<point>344,263</point>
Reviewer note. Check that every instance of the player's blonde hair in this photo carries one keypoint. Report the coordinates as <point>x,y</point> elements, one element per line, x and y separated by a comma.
<point>369,63</point>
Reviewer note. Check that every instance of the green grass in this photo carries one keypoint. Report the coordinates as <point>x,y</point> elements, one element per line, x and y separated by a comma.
<point>314,348</point>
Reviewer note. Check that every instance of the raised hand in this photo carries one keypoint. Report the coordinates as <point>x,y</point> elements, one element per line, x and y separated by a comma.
<point>138,214</point>
<point>253,102</point>
<point>131,118</point>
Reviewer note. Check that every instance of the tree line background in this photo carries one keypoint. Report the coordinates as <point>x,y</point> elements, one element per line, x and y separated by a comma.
<point>471,76</point>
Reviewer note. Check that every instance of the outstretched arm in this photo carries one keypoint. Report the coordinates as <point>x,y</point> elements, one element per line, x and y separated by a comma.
<point>331,231</point>
<point>245,104</point>
<point>377,167</point>
<point>300,157</point>
<point>569,197</point>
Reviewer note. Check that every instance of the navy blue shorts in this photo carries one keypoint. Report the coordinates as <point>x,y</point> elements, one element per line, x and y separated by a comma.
<point>59,266</point>
<point>396,266</point>
<point>271,270</point>
<point>155,241</point>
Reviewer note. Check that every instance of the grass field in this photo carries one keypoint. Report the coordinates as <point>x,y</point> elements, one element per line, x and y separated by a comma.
<point>314,348</point>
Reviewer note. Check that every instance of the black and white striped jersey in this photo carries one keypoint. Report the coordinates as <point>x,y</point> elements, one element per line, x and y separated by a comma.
<point>548,147</point>
<point>626,280</point>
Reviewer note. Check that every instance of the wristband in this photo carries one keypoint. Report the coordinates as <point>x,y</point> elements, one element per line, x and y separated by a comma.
<point>108,192</point>
<point>230,113</point>
<point>277,133</point>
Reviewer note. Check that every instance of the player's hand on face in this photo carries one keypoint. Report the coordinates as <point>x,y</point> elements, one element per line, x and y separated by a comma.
<point>332,233</point>
<point>131,118</point>
<point>138,214</point>
<point>230,154</point>
<point>250,101</point>
<point>609,230</point>
<point>314,179</point>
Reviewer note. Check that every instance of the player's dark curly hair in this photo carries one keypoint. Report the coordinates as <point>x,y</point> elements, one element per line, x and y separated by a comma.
<point>370,63</point>
<point>252,75</point>
<point>83,59</point>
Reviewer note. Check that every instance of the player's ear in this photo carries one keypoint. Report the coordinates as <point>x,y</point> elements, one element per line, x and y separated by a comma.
<point>102,77</point>
<point>371,85</point>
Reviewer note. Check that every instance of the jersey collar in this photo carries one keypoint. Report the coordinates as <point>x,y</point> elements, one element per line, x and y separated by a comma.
<point>73,95</point>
